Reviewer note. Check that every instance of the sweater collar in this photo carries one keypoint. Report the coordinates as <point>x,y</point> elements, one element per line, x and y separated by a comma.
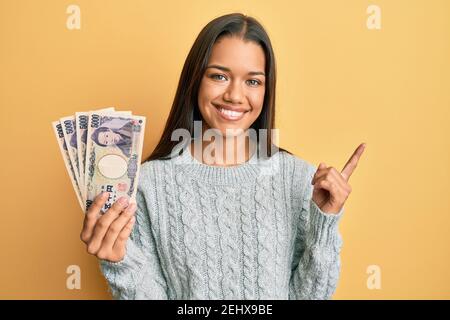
<point>245,172</point>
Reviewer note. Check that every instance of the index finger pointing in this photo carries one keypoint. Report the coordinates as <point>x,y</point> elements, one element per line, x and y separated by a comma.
<point>352,162</point>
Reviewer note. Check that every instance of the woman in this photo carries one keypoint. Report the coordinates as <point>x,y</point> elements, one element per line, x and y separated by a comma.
<point>214,229</point>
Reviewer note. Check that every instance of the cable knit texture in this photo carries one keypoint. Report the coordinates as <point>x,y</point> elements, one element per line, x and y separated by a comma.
<point>245,232</point>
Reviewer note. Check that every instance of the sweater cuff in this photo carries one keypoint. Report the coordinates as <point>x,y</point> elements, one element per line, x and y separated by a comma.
<point>324,226</point>
<point>133,259</point>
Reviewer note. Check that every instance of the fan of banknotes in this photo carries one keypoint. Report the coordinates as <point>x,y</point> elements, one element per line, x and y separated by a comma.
<point>102,152</point>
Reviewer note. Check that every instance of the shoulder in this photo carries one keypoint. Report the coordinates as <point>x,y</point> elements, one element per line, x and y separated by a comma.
<point>152,172</point>
<point>147,167</point>
<point>296,166</point>
<point>149,170</point>
<point>298,174</point>
<point>148,186</point>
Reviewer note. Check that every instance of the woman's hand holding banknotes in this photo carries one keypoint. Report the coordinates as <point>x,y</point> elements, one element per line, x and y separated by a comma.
<point>106,235</point>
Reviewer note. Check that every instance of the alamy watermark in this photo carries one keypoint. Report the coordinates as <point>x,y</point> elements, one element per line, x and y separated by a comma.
<point>74,279</point>
<point>374,19</point>
<point>374,279</point>
<point>73,21</point>
<point>214,147</point>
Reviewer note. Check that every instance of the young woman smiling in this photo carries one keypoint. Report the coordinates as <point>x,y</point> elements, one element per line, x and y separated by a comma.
<point>214,227</point>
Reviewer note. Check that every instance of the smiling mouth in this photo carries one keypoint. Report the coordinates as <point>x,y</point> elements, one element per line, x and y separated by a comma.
<point>229,114</point>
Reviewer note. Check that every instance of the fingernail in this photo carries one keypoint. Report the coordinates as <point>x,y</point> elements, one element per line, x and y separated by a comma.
<point>123,200</point>
<point>105,194</point>
<point>132,207</point>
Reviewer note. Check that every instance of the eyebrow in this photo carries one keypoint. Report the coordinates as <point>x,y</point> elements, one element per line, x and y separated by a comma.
<point>252,73</point>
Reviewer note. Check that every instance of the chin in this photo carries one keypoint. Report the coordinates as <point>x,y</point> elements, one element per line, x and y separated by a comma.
<point>232,131</point>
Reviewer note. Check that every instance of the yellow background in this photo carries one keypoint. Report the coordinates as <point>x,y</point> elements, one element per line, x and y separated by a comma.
<point>339,84</point>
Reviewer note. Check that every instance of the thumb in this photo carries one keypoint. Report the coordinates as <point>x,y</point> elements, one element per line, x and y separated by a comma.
<point>322,166</point>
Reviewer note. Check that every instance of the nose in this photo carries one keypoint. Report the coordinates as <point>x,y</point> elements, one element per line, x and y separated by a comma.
<point>233,94</point>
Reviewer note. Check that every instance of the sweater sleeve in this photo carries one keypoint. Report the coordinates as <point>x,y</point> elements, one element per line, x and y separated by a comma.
<point>139,275</point>
<point>316,264</point>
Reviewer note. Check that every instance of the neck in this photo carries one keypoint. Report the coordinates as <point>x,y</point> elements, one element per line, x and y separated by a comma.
<point>223,151</point>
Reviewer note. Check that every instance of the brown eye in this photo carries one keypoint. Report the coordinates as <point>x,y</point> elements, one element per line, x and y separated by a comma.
<point>255,83</point>
<point>215,76</point>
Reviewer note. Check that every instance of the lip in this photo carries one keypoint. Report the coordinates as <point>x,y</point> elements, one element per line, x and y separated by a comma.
<point>229,108</point>
<point>226,117</point>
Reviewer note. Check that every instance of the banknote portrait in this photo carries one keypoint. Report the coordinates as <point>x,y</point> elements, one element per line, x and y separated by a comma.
<point>108,135</point>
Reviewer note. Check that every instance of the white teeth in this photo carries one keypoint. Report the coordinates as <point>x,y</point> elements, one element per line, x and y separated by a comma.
<point>230,113</point>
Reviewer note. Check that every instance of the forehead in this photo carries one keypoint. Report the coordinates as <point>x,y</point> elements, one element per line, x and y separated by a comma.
<point>238,55</point>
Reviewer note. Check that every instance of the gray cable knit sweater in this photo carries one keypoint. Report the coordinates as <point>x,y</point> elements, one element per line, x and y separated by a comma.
<point>249,231</point>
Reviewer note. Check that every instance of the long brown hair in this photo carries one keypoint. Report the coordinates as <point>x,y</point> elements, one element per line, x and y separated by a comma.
<point>185,106</point>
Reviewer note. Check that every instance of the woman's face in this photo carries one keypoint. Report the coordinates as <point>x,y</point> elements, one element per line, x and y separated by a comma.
<point>231,93</point>
<point>108,138</point>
